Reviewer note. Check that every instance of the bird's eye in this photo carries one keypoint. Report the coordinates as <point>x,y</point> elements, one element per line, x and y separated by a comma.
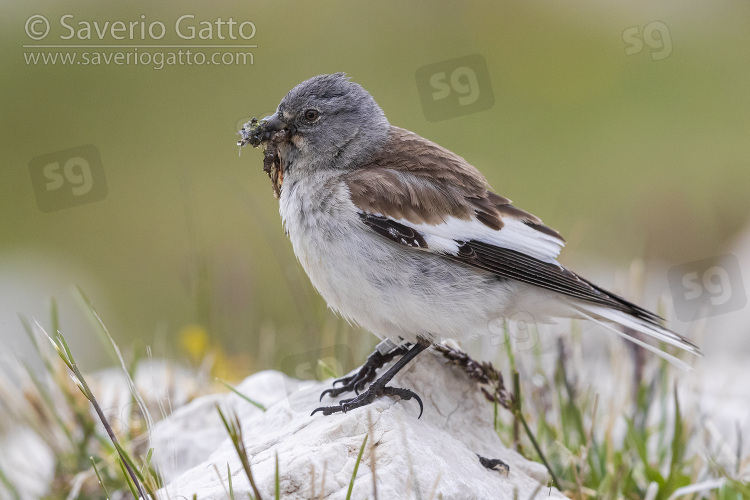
<point>311,115</point>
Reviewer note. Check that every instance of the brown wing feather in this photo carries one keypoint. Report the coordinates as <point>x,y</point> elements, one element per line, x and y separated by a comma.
<point>419,181</point>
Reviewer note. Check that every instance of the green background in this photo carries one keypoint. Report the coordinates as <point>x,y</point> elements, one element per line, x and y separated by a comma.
<point>628,157</point>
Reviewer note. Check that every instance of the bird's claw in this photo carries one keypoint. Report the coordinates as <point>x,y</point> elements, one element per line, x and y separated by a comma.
<point>404,394</point>
<point>356,382</point>
<point>351,383</point>
<point>343,380</point>
<point>368,397</point>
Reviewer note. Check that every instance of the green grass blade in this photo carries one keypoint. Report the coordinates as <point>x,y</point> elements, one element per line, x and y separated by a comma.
<point>96,322</point>
<point>127,478</point>
<point>231,388</point>
<point>229,480</point>
<point>147,462</point>
<point>54,316</point>
<point>356,468</point>
<point>327,370</point>
<point>519,415</point>
<point>99,477</point>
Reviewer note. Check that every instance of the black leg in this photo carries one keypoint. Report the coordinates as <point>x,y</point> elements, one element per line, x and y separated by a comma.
<point>378,388</point>
<point>366,373</point>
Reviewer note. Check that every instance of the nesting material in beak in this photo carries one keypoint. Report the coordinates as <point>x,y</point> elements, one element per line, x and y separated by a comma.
<point>267,133</point>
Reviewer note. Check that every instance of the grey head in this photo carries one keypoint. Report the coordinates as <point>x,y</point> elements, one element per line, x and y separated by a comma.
<point>332,123</point>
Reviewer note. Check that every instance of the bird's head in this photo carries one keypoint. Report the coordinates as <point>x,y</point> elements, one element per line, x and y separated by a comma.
<point>325,122</point>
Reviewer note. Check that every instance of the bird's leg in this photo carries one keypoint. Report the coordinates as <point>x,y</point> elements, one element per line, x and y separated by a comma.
<point>378,388</point>
<point>384,352</point>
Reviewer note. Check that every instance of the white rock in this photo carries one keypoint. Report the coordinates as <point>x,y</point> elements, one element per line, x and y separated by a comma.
<point>195,431</point>
<point>28,462</point>
<point>431,457</point>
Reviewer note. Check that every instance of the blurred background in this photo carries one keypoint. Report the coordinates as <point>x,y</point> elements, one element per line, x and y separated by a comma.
<point>624,125</point>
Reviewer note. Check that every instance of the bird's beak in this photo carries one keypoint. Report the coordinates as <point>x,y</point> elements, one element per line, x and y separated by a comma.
<point>257,132</point>
<point>275,124</point>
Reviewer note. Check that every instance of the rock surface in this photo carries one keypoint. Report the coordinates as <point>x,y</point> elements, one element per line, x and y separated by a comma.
<point>431,457</point>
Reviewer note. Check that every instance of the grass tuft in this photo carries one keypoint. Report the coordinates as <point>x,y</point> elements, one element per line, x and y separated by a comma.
<point>61,346</point>
<point>97,453</point>
<point>234,429</point>
<point>644,447</point>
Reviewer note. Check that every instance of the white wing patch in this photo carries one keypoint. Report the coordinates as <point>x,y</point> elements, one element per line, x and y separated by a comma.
<point>515,235</point>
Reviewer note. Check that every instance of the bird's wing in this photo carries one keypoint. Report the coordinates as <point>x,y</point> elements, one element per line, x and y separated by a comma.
<point>419,194</point>
<point>421,185</point>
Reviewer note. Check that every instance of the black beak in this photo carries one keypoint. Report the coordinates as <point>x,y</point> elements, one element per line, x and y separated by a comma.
<point>257,132</point>
<point>275,124</point>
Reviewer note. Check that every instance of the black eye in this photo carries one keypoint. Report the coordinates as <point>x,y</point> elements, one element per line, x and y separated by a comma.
<point>311,115</point>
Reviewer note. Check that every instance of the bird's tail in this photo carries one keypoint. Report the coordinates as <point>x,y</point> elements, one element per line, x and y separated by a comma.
<point>645,324</point>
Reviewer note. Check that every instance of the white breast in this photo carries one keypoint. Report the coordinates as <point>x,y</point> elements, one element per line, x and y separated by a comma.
<point>391,290</point>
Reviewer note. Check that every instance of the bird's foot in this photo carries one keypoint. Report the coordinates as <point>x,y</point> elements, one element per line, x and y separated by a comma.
<point>379,387</point>
<point>366,373</point>
<point>376,390</point>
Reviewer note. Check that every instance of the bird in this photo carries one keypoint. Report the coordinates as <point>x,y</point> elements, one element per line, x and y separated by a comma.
<point>406,239</point>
